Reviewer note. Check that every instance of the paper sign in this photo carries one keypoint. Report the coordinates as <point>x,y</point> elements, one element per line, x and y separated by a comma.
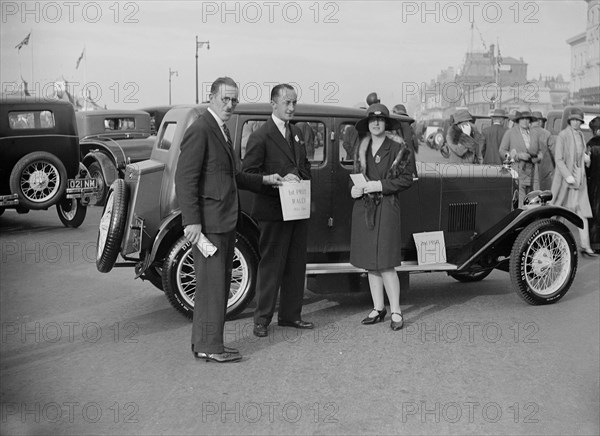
<point>431,248</point>
<point>295,200</point>
<point>206,247</point>
<point>358,180</point>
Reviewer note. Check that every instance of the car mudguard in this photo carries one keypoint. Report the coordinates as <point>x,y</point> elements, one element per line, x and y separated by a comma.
<point>493,247</point>
<point>107,166</point>
<point>171,229</point>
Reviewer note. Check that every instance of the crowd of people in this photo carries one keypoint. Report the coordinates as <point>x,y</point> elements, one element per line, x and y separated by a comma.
<point>384,165</point>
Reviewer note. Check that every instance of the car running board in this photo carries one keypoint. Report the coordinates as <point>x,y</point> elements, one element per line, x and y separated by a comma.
<point>346,267</point>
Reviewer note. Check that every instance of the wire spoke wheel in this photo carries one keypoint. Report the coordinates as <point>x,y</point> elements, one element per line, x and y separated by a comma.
<point>179,277</point>
<point>547,263</point>
<point>543,262</point>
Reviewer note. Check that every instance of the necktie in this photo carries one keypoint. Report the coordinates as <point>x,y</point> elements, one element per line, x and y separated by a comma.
<point>288,138</point>
<point>226,130</point>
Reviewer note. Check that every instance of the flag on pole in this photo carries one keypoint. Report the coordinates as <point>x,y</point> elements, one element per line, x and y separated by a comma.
<point>200,44</point>
<point>23,43</point>
<point>499,58</point>
<point>25,84</point>
<point>80,58</point>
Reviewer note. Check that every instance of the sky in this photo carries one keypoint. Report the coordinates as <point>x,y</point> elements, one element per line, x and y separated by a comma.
<point>334,52</point>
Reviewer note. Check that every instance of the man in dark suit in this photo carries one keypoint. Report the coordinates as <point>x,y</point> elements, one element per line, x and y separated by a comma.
<point>492,138</point>
<point>206,183</point>
<point>277,147</point>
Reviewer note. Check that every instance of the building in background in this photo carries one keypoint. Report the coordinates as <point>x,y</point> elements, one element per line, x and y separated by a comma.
<point>585,59</point>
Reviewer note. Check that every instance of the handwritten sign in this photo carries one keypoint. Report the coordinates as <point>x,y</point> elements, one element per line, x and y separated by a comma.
<point>431,248</point>
<point>295,200</point>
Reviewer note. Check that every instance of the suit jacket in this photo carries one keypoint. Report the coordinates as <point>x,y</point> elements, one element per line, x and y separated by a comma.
<point>513,140</point>
<point>207,178</point>
<point>267,152</point>
<point>492,138</point>
<point>546,148</point>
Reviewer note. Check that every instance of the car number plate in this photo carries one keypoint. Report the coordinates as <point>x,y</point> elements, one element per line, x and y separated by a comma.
<point>82,184</point>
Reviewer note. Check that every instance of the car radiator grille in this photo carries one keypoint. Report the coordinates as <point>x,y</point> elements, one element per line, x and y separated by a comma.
<point>461,216</point>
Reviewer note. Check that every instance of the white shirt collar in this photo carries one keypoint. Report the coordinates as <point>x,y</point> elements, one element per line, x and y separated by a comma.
<point>219,121</point>
<point>279,123</point>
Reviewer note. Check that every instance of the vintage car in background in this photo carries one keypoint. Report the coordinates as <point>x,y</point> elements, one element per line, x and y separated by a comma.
<point>157,113</point>
<point>437,140</point>
<point>474,205</point>
<point>109,140</point>
<point>40,159</point>
<point>558,120</point>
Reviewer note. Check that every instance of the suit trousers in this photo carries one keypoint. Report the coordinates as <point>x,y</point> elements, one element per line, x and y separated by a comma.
<point>213,280</point>
<point>282,266</point>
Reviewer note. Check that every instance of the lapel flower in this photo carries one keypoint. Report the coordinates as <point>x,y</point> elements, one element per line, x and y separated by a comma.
<point>296,138</point>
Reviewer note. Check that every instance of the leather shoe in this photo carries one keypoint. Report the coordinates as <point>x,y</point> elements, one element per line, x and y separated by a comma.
<point>225,349</point>
<point>219,357</point>
<point>299,324</point>
<point>260,330</point>
<point>590,253</point>
<point>397,325</point>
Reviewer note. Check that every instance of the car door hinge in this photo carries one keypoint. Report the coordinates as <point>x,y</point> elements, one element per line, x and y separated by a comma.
<point>330,222</point>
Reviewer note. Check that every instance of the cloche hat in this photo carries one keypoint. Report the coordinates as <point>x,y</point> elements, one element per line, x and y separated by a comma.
<point>381,111</point>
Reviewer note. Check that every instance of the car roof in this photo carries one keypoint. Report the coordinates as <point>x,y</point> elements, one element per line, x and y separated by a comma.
<point>32,101</point>
<point>301,110</point>
<point>112,113</point>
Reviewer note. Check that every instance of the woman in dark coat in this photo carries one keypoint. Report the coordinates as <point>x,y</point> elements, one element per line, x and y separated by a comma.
<point>375,241</point>
<point>593,183</point>
<point>464,141</point>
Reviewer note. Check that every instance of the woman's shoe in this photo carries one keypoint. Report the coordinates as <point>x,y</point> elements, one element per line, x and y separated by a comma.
<point>397,325</point>
<point>379,317</point>
<point>589,253</point>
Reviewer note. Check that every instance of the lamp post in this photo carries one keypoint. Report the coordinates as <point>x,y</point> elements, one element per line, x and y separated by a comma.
<point>199,44</point>
<point>170,75</point>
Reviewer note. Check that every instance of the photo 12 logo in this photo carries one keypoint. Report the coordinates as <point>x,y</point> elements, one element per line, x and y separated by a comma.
<point>314,92</point>
<point>270,12</point>
<point>71,12</point>
<point>70,411</point>
<point>470,11</point>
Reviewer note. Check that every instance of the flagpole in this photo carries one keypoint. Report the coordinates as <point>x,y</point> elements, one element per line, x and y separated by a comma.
<point>85,78</point>
<point>32,81</point>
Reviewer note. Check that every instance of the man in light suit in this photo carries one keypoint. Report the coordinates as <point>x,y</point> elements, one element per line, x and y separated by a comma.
<point>523,146</point>
<point>206,184</point>
<point>277,147</point>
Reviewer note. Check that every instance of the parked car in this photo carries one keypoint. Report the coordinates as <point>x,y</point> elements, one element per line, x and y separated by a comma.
<point>40,159</point>
<point>474,205</point>
<point>109,140</point>
<point>558,120</point>
<point>437,140</point>
<point>157,113</point>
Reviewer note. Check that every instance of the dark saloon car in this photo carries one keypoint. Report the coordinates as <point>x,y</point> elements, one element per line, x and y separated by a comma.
<point>40,160</point>
<point>109,140</point>
<point>475,206</point>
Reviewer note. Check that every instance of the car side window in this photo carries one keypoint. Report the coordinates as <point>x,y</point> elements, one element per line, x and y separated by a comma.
<point>313,135</point>
<point>248,127</point>
<point>348,139</point>
<point>167,135</point>
<point>31,120</point>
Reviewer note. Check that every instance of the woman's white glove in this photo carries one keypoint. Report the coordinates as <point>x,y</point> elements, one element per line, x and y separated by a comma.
<point>586,159</point>
<point>373,186</point>
<point>570,180</point>
<point>356,192</point>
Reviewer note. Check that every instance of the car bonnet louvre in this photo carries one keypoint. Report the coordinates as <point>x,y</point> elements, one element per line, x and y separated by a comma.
<point>461,216</point>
